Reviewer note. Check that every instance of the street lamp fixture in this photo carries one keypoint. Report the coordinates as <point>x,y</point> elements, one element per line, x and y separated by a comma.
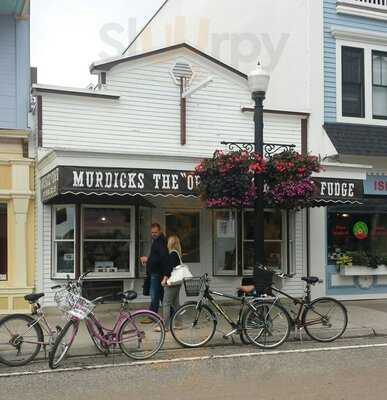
<point>258,82</point>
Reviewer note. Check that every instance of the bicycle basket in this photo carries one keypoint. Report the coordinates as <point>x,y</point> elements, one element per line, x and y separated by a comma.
<point>192,286</point>
<point>73,304</point>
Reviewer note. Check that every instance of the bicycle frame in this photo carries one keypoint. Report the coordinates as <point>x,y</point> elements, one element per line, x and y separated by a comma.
<point>110,336</point>
<point>42,321</point>
<point>207,295</point>
<point>303,306</point>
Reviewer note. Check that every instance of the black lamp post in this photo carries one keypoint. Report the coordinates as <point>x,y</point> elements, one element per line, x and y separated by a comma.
<point>258,81</point>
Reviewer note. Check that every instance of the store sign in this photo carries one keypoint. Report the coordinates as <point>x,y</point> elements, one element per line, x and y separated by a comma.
<point>376,185</point>
<point>117,181</point>
<point>49,185</point>
<point>339,189</point>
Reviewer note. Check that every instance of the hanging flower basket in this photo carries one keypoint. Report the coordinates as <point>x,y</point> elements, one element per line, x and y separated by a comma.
<point>227,179</point>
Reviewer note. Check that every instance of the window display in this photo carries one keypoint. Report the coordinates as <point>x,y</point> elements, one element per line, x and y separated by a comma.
<point>64,240</point>
<point>107,239</point>
<point>225,243</point>
<point>358,236</point>
<point>186,225</point>
<point>273,239</point>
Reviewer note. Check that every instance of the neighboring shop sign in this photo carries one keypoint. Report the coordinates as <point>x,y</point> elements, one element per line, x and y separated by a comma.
<point>339,190</point>
<point>376,185</point>
<point>120,181</point>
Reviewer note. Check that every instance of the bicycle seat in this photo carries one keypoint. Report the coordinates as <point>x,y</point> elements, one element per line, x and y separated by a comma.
<point>33,297</point>
<point>310,279</point>
<point>128,295</point>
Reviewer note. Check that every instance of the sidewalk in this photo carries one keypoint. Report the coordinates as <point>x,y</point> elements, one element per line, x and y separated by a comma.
<point>365,318</point>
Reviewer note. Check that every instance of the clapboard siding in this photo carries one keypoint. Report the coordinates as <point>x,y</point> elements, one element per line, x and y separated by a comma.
<point>331,18</point>
<point>148,112</point>
<point>7,72</point>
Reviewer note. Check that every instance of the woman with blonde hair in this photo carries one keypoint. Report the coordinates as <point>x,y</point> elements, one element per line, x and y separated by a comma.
<point>171,292</point>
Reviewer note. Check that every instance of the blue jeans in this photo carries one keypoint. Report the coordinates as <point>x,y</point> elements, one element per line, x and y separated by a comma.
<point>155,292</point>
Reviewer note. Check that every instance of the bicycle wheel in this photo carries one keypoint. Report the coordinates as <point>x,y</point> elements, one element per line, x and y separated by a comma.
<point>141,341</point>
<point>62,344</point>
<point>98,344</point>
<point>266,325</point>
<point>192,326</point>
<point>325,319</point>
<point>21,338</point>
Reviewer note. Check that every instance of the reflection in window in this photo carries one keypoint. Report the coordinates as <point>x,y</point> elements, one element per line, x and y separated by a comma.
<point>352,82</point>
<point>362,235</point>
<point>64,240</point>
<point>106,239</point>
<point>379,84</point>
<point>185,225</point>
<point>225,244</point>
<point>145,221</point>
<point>273,239</point>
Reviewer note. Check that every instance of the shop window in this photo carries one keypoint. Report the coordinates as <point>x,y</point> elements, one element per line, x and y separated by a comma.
<point>352,82</point>
<point>379,84</point>
<point>274,243</point>
<point>185,225</point>
<point>145,240</point>
<point>361,235</point>
<point>225,243</point>
<point>64,241</point>
<point>107,239</point>
<point>3,242</point>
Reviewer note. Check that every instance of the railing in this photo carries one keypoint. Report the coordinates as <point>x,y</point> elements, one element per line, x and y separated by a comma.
<point>376,4</point>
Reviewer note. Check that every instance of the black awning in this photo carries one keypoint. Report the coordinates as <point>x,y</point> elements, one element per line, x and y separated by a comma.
<point>358,139</point>
<point>337,191</point>
<point>66,181</point>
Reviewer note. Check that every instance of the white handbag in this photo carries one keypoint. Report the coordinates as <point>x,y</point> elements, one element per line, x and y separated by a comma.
<point>179,273</point>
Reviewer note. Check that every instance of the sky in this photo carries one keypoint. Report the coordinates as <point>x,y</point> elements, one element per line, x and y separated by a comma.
<point>68,35</point>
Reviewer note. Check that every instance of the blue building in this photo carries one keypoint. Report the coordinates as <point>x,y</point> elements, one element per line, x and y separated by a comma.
<point>16,168</point>
<point>355,120</point>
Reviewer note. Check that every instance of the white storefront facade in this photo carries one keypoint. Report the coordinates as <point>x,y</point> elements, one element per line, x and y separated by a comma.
<point>113,160</point>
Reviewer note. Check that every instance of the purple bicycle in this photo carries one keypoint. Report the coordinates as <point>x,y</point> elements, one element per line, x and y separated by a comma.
<point>139,334</point>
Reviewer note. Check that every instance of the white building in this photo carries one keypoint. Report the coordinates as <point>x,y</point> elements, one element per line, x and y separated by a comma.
<point>113,160</point>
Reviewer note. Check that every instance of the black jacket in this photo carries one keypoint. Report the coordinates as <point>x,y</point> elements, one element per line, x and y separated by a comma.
<point>157,257</point>
<point>173,261</point>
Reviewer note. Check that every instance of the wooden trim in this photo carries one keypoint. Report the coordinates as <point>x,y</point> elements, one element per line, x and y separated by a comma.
<point>108,65</point>
<point>78,241</point>
<point>279,112</point>
<point>304,136</point>
<point>183,115</point>
<point>4,242</point>
<point>40,120</point>
<point>25,148</point>
<point>76,93</point>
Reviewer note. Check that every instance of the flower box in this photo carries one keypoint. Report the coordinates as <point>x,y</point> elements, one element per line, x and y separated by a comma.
<point>354,270</point>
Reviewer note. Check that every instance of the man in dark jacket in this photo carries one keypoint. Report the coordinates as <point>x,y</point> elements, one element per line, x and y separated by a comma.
<point>155,265</point>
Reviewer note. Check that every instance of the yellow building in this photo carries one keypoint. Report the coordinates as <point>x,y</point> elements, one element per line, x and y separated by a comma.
<point>17,221</point>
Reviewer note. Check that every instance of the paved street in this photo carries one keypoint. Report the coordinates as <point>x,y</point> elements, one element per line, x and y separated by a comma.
<point>348,369</point>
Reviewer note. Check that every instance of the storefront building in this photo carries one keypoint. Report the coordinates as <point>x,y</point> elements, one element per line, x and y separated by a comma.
<point>113,160</point>
<point>355,37</point>
<point>17,221</point>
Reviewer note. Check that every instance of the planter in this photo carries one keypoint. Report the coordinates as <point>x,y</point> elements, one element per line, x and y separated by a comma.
<point>363,271</point>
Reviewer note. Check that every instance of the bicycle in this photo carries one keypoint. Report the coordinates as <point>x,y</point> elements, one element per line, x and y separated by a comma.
<point>324,319</point>
<point>135,341</point>
<point>194,323</point>
<point>22,336</point>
